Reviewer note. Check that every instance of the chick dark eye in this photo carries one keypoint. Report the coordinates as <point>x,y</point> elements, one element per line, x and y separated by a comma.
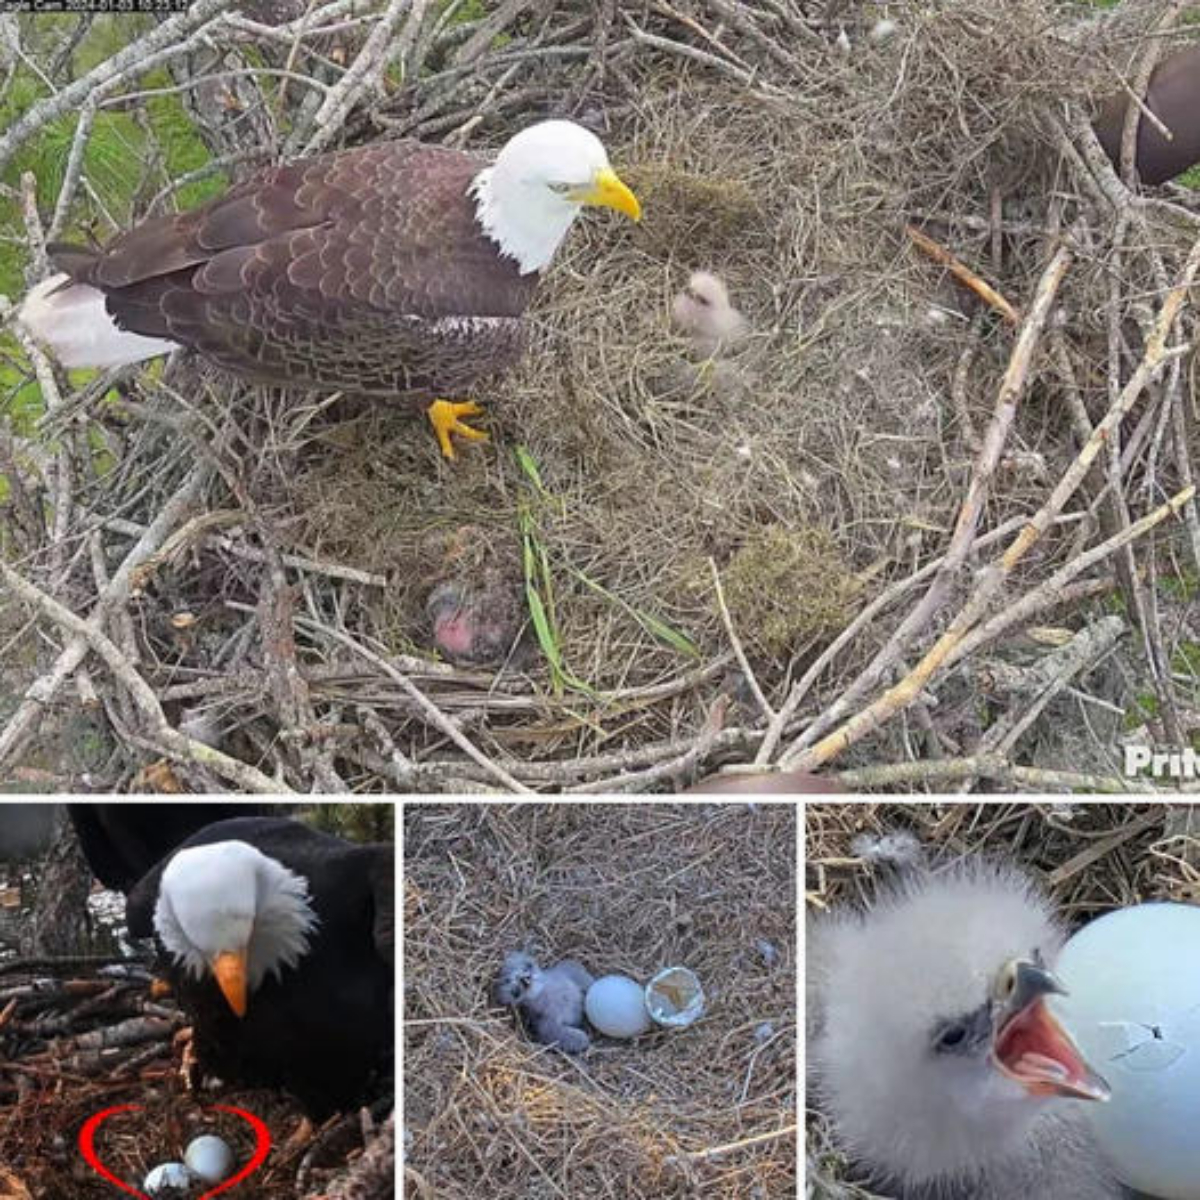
<point>951,1037</point>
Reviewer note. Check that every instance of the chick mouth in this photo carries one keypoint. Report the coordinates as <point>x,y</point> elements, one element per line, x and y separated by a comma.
<point>1033,1048</point>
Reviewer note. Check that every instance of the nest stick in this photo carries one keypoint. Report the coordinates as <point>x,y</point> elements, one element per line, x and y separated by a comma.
<point>889,776</point>
<point>1012,388</point>
<point>964,274</point>
<point>174,743</point>
<point>729,1147</point>
<point>24,721</point>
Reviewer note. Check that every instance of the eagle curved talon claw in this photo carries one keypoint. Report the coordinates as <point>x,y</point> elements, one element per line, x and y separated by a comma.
<point>446,418</point>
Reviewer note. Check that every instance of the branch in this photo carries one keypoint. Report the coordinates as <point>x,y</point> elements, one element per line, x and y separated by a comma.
<point>131,60</point>
<point>1012,388</point>
<point>172,742</point>
<point>25,720</point>
<point>964,274</point>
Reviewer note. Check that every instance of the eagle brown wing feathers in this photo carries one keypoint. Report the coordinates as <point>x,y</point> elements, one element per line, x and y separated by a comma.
<point>363,270</point>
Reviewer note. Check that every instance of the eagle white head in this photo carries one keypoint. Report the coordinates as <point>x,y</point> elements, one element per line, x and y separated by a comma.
<point>544,176</point>
<point>936,1054</point>
<point>230,911</point>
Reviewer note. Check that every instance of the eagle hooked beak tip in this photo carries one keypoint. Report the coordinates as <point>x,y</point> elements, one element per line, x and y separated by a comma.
<point>608,191</point>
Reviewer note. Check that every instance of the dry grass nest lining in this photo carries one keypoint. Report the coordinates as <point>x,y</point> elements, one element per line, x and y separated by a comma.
<point>626,889</point>
<point>832,421</point>
<point>1091,857</point>
<point>833,428</point>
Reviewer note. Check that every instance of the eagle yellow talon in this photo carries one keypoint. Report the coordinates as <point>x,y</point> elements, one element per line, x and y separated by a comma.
<point>446,416</point>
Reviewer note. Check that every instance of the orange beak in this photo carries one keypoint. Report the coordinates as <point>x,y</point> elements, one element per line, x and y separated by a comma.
<point>229,967</point>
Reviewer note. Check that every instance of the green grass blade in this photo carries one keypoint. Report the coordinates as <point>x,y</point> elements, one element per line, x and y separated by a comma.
<point>653,625</point>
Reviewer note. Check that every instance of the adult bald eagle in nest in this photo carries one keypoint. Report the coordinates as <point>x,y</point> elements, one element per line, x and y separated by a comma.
<point>398,269</point>
<point>280,948</point>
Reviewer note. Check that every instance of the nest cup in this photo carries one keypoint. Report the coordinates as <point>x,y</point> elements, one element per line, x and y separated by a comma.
<point>674,997</point>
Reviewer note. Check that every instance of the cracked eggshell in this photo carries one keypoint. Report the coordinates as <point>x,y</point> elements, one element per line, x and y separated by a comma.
<point>1133,978</point>
<point>616,1006</point>
<point>674,997</point>
<point>168,1179</point>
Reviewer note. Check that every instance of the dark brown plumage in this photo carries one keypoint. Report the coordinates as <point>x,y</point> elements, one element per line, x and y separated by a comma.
<point>335,272</point>
<point>1174,97</point>
<point>394,270</point>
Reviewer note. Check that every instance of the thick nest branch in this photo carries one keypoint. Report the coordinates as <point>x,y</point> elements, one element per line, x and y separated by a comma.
<point>959,427</point>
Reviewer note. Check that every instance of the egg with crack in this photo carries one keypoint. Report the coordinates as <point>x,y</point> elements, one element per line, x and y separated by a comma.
<point>1133,1005</point>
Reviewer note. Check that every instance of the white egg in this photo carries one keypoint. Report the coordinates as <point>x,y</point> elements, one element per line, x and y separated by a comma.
<point>167,1178</point>
<point>1134,1008</point>
<point>209,1157</point>
<point>616,1005</point>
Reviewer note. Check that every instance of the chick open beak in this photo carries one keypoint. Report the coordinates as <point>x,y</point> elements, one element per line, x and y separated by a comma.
<point>608,191</point>
<point>1032,1047</point>
<point>229,968</point>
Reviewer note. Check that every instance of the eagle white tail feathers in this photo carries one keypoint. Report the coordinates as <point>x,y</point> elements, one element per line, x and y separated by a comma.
<point>76,328</point>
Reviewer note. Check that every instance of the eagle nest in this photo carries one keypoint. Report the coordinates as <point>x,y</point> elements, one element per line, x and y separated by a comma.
<point>710,1110</point>
<point>1090,858</point>
<point>929,523</point>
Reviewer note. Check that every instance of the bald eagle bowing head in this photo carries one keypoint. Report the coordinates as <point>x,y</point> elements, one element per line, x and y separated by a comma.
<point>228,910</point>
<point>278,941</point>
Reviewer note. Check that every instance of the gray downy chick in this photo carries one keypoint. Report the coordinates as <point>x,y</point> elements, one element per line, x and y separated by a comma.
<point>703,311</point>
<point>550,1001</point>
<point>932,1051</point>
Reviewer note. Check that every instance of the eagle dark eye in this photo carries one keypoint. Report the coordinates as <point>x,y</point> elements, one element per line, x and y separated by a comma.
<point>559,189</point>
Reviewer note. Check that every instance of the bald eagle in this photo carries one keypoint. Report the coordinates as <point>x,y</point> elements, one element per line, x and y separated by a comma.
<point>278,942</point>
<point>933,1051</point>
<point>397,269</point>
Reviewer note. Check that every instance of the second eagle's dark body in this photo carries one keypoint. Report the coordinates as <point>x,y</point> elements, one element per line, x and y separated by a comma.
<point>1173,96</point>
<point>324,1029</point>
<point>363,270</point>
<point>123,840</point>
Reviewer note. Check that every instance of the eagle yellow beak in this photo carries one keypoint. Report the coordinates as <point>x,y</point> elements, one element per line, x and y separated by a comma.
<point>229,967</point>
<point>608,191</point>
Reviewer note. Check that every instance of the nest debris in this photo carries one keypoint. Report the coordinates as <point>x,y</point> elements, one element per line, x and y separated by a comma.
<point>260,561</point>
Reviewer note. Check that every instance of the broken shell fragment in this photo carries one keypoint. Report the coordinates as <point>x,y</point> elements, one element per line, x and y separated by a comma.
<point>674,997</point>
<point>168,1179</point>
